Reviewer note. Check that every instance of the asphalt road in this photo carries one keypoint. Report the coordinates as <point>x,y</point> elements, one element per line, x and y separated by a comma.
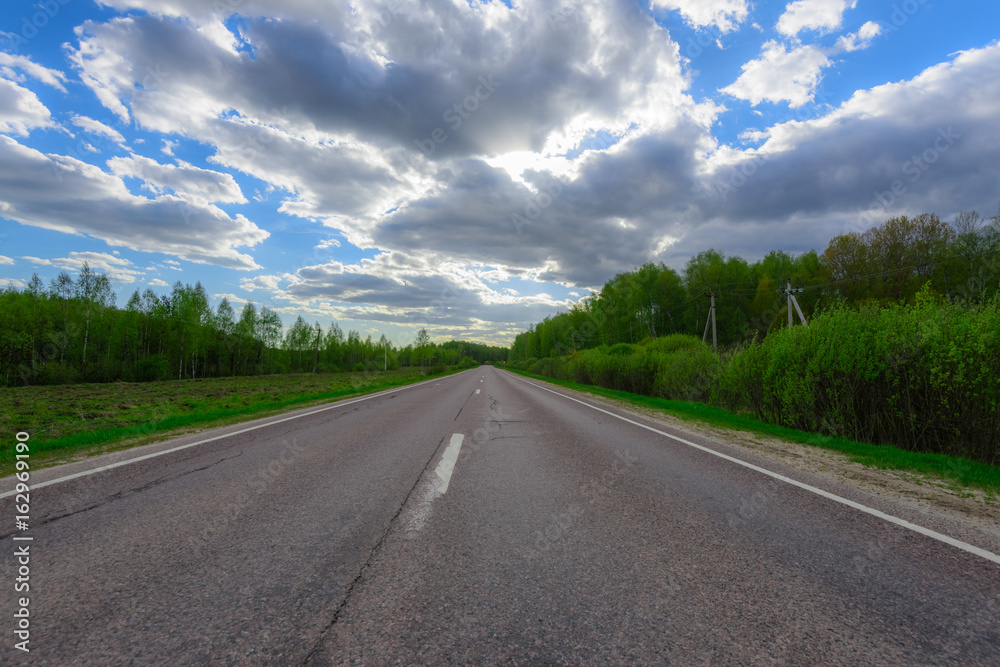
<point>481,519</point>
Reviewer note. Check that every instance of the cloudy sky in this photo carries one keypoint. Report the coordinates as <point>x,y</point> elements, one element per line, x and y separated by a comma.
<point>474,166</point>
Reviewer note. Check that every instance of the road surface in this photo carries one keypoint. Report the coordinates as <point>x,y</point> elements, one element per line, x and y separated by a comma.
<point>481,518</point>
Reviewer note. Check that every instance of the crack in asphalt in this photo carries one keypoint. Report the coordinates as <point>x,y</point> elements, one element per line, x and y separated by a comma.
<point>368,561</point>
<point>122,494</point>
<point>463,406</point>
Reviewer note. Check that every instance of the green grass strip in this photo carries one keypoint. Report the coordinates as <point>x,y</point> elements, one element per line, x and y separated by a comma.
<point>80,442</point>
<point>960,471</point>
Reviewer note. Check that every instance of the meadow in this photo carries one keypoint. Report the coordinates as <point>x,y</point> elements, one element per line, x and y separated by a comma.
<point>68,421</point>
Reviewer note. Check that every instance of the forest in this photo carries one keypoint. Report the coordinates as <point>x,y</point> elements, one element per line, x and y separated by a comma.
<point>884,265</point>
<point>901,343</point>
<point>73,331</point>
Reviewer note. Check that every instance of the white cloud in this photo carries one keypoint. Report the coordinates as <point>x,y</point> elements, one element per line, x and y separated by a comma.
<point>117,269</point>
<point>780,75</point>
<point>15,283</point>
<point>961,93</point>
<point>6,260</point>
<point>67,195</point>
<point>411,290</point>
<point>156,282</point>
<point>9,64</point>
<point>725,15</point>
<point>200,186</point>
<point>20,110</point>
<point>231,298</point>
<point>98,128</point>
<point>861,39</point>
<point>262,283</point>
<point>821,15</point>
<point>792,74</point>
<point>923,145</point>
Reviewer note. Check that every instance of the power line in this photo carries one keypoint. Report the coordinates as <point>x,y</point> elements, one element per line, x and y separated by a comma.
<point>661,317</point>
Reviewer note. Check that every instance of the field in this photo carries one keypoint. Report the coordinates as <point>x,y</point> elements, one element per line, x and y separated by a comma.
<point>70,421</point>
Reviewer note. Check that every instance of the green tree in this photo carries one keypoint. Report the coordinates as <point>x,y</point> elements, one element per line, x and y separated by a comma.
<point>94,291</point>
<point>422,349</point>
<point>298,339</point>
<point>225,325</point>
<point>268,336</point>
<point>35,287</point>
<point>246,332</point>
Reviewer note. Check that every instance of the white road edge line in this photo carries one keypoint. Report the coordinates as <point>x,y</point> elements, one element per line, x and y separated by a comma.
<point>988,555</point>
<point>447,465</point>
<point>341,404</point>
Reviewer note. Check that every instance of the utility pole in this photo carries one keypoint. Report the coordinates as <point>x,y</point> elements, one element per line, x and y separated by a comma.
<point>793,302</point>
<point>788,293</point>
<point>711,318</point>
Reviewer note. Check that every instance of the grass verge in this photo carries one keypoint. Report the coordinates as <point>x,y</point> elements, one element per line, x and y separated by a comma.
<point>72,421</point>
<point>959,471</point>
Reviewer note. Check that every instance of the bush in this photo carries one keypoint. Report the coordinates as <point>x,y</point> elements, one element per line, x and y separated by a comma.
<point>688,374</point>
<point>150,369</point>
<point>548,367</point>
<point>685,373</point>
<point>923,378</point>
<point>674,343</point>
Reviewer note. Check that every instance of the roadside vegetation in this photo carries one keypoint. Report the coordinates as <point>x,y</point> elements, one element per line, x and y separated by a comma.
<point>953,471</point>
<point>75,420</point>
<point>902,347</point>
<point>79,374</point>
<point>72,331</point>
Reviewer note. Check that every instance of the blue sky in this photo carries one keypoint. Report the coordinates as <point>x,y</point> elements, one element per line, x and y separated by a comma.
<point>472,167</point>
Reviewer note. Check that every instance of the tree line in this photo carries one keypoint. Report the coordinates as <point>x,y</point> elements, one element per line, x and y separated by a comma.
<point>73,331</point>
<point>882,266</point>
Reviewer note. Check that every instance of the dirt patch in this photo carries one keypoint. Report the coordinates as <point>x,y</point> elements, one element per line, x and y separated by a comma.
<point>925,493</point>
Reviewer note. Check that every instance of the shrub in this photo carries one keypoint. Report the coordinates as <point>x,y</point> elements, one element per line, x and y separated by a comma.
<point>548,367</point>
<point>923,378</point>
<point>149,369</point>
<point>673,343</point>
<point>687,374</point>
